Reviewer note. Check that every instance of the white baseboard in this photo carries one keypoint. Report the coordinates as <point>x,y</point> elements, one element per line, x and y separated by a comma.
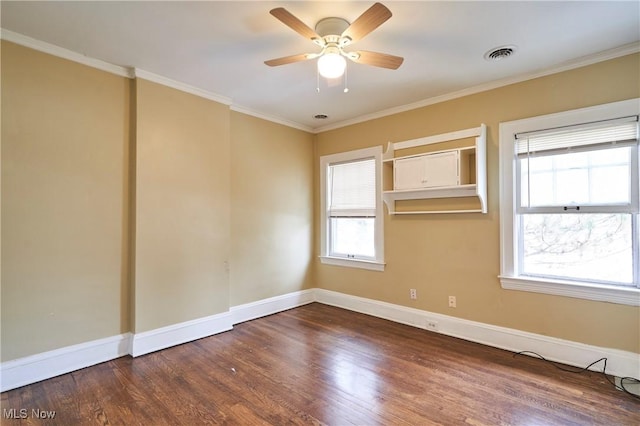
<point>154,340</point>
<point>34,368</point>
<point>176,334</point>
<point>272,305</point>
<point>45,365</point>
<point>619,363</point>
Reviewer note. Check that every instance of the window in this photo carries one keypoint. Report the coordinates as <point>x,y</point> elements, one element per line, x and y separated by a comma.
<point>351,205</point>
<point>569,203</point>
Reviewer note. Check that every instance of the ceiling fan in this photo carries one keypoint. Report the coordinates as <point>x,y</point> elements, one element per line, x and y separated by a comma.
<point>333,35</point>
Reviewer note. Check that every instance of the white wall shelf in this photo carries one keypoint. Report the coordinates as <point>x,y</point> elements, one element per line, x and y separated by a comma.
<point>439,173</point>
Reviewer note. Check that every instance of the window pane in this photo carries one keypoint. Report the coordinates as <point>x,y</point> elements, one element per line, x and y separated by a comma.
<point>598,177</point>
<point>603,190</point>
<point>595,247</point>
<point>352,237</point>
<point>572,187</point>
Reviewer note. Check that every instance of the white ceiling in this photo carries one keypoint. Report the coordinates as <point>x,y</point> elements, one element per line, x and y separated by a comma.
<point>220,46</point>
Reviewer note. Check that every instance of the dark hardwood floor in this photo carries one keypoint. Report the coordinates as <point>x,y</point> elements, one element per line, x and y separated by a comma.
<point>322,365</point>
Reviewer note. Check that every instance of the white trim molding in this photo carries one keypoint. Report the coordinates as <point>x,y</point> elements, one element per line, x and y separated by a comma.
<point>45,365</point>
<point>34,368</point>
<point>272,118</point>
<point>620,363</point>
<point>176,334</point>
<point>63,53</point>
<point>128,72</point>
<point>353,263</point>
<point>602,293</point>
<point>178,85</point>
<point>272,305</point>
<point>627,49</point>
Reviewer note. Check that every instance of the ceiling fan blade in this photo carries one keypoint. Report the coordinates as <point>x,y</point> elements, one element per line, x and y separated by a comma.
<point>371,19</point>
<point>376,59</point>
<point>284,16</point>
<point>290,59</point>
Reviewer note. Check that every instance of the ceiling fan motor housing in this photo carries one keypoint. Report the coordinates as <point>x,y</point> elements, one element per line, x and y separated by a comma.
<point>330,29</point>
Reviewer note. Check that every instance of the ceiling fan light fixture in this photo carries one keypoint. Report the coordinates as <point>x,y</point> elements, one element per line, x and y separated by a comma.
<point>331,65</point>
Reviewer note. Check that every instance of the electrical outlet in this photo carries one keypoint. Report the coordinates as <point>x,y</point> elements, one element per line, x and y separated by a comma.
<point>452,301</point>
<point>413,293</point>
<point>432,325</point>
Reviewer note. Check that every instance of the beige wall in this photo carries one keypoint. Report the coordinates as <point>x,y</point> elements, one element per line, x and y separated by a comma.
<point>64,203</point>
<point>93,164</point>
<point>271,209</point>
<point>442,255</point>
<point>182,232</point>
<point>117,202</point>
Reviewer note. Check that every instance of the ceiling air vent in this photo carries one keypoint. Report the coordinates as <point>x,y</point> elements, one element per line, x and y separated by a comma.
<point>500,53</point>
<point>321,116</point>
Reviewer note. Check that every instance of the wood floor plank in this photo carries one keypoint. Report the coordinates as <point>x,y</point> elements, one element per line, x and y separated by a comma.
<point>321,365</point>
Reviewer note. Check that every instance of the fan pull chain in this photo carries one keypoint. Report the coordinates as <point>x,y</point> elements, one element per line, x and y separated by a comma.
<point>317,80</point>
<point>346,69</point>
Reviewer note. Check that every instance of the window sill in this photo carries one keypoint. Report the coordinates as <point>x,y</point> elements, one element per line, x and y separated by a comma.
<point>353,263</point>
<point>590,291</point>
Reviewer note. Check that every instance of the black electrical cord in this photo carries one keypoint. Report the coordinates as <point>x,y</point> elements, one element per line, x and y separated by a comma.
<point>578,370</point>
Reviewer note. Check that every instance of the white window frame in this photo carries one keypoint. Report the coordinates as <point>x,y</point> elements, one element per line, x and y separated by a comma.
<point>376,264</point>
<point>509,276</point>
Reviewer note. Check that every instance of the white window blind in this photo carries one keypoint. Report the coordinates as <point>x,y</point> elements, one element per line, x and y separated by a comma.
<point>352,189</point>
<point>592,165</point>
<point>618,131</point>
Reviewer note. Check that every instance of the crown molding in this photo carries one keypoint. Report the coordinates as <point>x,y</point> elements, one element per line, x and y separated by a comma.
<point>272,118</point>
<point>129,72</point>
<point>178,85</point>
<point>61,52</point>
<point>625,50</point>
